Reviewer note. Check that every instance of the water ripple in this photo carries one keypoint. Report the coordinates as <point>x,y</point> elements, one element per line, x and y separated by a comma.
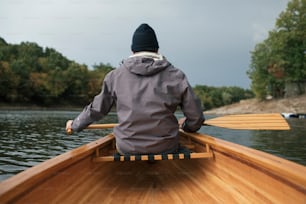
<point>30,137</point>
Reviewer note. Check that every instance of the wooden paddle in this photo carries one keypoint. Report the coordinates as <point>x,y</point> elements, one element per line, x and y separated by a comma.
<point>271,121</point>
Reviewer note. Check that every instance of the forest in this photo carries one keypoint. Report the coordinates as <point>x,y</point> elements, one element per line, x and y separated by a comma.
<point>33,75</point>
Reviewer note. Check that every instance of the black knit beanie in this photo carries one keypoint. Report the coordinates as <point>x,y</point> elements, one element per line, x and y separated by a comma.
<point>144,39</point>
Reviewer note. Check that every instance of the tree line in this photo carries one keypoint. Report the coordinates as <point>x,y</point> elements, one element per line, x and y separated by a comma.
<point>213,97</point>
<point>31,74</point>
<point>278,64</point>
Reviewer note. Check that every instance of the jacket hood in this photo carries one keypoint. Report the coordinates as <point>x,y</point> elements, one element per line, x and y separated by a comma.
<point>146,63</point>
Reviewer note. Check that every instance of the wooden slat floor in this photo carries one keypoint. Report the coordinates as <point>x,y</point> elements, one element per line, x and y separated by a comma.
<point>183,181</point>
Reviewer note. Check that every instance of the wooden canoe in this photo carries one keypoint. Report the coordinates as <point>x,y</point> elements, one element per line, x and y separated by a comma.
<point>228,173</point>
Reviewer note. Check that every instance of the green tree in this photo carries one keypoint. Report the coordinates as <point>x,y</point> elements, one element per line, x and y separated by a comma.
<point>56,60</point>
<point>281,57</point>
<point>291,32</point>
<point>29,53</point>
<point>212,97</point>
<point>8,83</point>
<point>202,92</point>
<point>258,72</point>
<point>76,81</point>
<point>21,73</point>
<point>96,77</point>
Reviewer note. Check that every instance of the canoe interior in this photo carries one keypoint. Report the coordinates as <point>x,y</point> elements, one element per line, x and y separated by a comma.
<point>234,174</point>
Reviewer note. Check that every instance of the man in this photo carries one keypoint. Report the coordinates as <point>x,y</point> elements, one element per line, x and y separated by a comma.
<point>147,90</point>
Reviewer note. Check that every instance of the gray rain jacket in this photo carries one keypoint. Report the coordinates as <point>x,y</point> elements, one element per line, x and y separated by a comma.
<point>147,90</point>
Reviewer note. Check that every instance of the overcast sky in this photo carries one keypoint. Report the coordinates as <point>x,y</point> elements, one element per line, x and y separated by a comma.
<point>209,40</point>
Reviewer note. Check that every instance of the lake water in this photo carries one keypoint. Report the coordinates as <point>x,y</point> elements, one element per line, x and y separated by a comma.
<point>30,137</point>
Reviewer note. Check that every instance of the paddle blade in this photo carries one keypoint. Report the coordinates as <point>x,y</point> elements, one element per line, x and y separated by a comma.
<point>272,121</point>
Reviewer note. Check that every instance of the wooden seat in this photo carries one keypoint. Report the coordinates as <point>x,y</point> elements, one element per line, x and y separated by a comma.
<point>181,154</point>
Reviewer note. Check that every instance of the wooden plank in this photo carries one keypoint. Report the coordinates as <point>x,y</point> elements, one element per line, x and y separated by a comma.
<point>289,171</point>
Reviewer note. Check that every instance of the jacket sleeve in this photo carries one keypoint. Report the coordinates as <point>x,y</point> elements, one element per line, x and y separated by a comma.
<point>191,107</point>
<point>96,110</point>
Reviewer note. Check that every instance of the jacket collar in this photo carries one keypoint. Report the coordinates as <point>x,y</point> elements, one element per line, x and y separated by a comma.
<point>152,55</point>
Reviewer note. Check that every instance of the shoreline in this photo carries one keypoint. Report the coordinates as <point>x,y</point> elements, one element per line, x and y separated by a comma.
<point>294,105</point>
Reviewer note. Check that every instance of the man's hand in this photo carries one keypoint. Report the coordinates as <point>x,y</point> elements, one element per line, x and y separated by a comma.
<point>68,127</point>
<point>181,122</point>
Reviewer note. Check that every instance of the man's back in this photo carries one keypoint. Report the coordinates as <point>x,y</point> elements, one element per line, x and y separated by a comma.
<point>148,90</point>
